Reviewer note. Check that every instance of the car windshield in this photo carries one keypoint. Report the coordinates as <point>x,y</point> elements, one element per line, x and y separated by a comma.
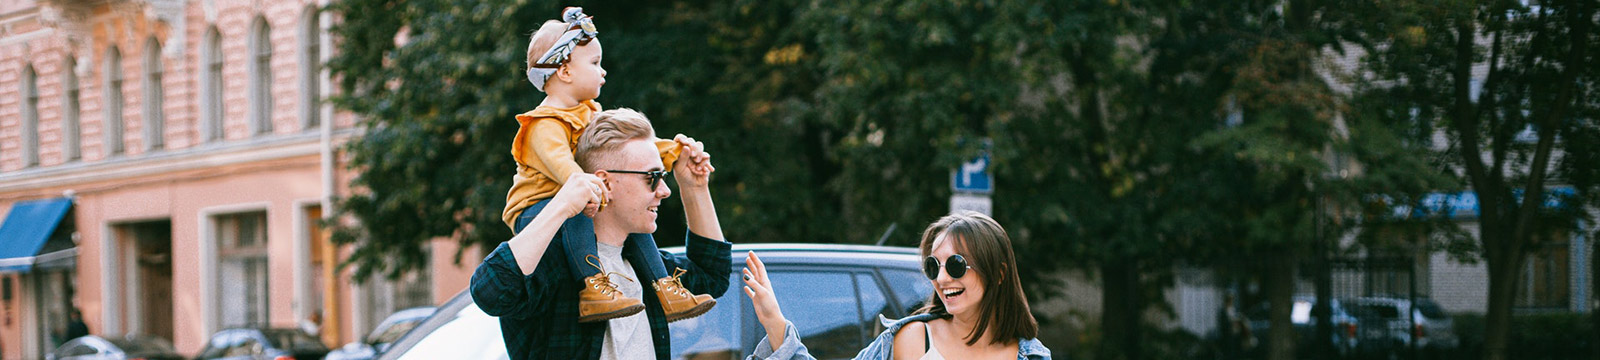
<point>1430,309</point>
<point>1381,311</point>
<point>472,335</point>
<point>144,346</point>
<point>393,332</point>
<point>293,340</point>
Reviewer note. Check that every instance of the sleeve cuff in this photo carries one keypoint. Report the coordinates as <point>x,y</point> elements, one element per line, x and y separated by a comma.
<point>693,238</point>
<point>503,259</point>
<point>791,346</point>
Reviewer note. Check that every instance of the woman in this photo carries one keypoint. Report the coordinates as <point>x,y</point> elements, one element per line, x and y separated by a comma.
<point>977,310</point>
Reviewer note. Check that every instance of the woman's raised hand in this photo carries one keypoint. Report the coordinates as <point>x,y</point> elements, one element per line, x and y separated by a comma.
<point>759,288</point>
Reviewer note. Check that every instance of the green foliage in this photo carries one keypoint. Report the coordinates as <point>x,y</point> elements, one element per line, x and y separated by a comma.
<point>1536,336</point>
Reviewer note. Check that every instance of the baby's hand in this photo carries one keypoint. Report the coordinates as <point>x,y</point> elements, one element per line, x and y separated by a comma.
<point>581,192</point>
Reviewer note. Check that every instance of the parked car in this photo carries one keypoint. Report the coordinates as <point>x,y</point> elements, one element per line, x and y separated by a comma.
<point>263,344</point>
<point>1345,338</point>
<point>385,333</point>
<point>116,348</point>
<point>834,294</point>
<point>1428,325</point>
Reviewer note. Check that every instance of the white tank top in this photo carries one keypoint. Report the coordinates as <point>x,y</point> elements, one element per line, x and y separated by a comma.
<point>933,352</point>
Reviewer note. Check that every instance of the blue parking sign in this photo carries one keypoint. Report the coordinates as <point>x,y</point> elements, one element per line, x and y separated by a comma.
<point>973,176</point>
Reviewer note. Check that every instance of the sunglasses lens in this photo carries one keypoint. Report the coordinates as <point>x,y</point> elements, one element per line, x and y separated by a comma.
<point>956,266</point>
<point>656,177</point>
<point>930,267</point>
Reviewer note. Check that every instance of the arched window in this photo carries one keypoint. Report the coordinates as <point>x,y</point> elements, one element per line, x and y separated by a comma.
<point>154,117</point>
<point>211,80</point>
<point>260,77</point>
<point>311,68</point>
<point>69,112</point>
<point>113,107</point>
<point>30,117</point>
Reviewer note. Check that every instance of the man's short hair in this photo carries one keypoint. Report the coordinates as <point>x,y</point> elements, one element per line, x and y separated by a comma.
<point>606,134</point>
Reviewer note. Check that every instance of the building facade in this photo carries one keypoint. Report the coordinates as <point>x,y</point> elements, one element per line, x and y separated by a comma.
<point>195,157</point>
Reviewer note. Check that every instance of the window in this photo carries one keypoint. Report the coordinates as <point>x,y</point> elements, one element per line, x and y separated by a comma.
<point>873,302</point>
<point>80,350</point>
<point>311,69</point>
<point>154,119</point>
<point>911,289</point>
<point>113,126</point>
<point>821,311</point>
<point>260,77</point>
<point>1546,276</point>
<point>30,118</point>
<point>243,345</point>
<point>242,244</point>
<point>211,95</point>
<point>716,333</point>
<point>69,111</point>
<point>220,343</point>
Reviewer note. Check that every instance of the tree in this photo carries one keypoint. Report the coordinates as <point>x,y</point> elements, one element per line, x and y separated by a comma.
<point>1513,88</point>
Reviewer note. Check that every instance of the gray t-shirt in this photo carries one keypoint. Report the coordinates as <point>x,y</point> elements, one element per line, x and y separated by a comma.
<point>626,337</point>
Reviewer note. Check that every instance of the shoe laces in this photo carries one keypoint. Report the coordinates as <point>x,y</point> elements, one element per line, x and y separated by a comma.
<point>605,286</point>
<point>675,283</point>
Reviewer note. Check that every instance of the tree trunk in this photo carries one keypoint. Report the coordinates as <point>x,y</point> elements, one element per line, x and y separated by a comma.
<point>1278,284</point>
<point>1504,273</point>
<point>1120,318</point>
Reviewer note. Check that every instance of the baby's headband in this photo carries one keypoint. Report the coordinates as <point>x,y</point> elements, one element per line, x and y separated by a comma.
<point>580,31</point>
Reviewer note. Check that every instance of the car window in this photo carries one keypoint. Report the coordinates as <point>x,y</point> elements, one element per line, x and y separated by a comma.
<point>220,342</point>
<point>243,345</point>
<point>911,289</point>
<point>1378,310</point>
<point>714,335</point>
<point>148,345</point>
<point>294,341</point>
<point>873,301</point>
<point>822,311</point>
<point>394,331</point>
<point>1430,309</point>
<point>80,349</point>
<point>472,335</point>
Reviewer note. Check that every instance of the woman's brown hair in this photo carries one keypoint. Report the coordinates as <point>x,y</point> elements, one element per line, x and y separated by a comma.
<point>987,248</point>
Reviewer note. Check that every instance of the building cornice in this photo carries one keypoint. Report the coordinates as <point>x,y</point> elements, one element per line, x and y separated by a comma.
<point>163,162</point>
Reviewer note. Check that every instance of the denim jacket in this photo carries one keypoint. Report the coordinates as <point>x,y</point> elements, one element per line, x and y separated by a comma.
<point>880,349</point>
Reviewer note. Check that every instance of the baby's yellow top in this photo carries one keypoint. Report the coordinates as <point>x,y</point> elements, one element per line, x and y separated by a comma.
<point>543,151</point>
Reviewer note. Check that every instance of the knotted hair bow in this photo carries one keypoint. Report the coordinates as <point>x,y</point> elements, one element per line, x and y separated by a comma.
<point>580,30</point>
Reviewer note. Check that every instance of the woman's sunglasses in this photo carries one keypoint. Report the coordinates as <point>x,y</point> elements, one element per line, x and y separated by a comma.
<point>955,265</point>
<point>655,176</point>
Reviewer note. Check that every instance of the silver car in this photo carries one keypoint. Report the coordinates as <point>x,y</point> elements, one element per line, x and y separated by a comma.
<point>834,294</point>
<point>385,333</point>
<point>1428,325</point>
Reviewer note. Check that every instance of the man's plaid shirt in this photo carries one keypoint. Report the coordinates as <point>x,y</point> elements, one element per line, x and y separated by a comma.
<point>539,312</point>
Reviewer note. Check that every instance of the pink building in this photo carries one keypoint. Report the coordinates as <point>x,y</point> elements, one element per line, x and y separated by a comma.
<point>163,167</point>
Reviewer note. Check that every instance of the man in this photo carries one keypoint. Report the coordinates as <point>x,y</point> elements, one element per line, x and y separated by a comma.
<point>526,283</point>
<point>75,326</point>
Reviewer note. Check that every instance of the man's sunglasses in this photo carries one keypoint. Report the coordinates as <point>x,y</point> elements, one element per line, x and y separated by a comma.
<point>655,176</point>
<point>955,265</point>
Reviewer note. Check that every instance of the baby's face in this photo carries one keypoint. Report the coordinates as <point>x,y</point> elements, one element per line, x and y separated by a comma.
<point>586,73</point>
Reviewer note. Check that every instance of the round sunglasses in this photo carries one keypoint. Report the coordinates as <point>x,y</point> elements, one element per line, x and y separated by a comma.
<point>955,265</point>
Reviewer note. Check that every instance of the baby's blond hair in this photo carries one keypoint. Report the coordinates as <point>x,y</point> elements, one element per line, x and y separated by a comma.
<point>543,39</point>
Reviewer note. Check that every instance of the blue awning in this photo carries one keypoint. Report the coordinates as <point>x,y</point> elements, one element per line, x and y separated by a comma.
<point>26,232</point>
<point>1464,204</point>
